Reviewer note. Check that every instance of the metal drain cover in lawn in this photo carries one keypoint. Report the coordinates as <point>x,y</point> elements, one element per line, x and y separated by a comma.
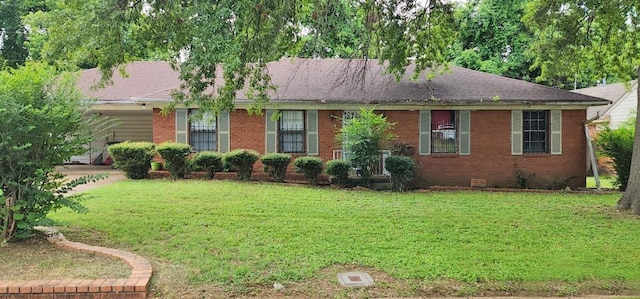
<point>355,279</point>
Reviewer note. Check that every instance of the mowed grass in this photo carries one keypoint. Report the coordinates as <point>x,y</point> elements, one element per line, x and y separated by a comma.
<point>606,182</point>
<point>237,235</point>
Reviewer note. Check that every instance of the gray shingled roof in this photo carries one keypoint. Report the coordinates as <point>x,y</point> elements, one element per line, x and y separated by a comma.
<point>344,81</point>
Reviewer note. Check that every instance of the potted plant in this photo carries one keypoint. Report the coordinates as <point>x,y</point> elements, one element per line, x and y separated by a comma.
<point>156,166</point>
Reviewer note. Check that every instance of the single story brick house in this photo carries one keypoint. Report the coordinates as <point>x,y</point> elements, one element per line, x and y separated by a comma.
<point>464,124</point>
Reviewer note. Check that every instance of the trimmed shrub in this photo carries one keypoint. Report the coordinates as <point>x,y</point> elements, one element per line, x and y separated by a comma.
<point>276,165</point>
<point>226,167</point>
<point>207,161</point>
<point>242,160</point>
<point>311,167</point>
<point>339,171</point>
<point>134,158</point>
<point>401,169</point>
<point>175,156</point>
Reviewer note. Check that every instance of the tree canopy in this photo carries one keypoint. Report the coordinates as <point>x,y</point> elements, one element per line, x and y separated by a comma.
<point>595,39</point>
<point>494,39</point>
<point>16,46</point>
<point>222,46</point>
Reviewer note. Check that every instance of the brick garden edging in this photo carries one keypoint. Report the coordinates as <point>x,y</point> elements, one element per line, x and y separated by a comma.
<point>134,287</point>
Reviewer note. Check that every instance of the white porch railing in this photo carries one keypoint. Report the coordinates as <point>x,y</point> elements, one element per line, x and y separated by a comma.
<point>377,169</point>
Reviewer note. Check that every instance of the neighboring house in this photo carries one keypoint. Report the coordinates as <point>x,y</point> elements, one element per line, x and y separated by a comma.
<point>464,124</point>
<point>624,101</point>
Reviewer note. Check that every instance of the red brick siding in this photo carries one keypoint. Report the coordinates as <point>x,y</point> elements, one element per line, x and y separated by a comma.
<point>329,125</point>
<point>247,131</point>
<point>490,157</point>
<point>164,127</point>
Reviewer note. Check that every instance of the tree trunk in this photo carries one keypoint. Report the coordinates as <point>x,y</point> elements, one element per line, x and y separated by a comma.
<point>9,223</point>
<point>631,198</point>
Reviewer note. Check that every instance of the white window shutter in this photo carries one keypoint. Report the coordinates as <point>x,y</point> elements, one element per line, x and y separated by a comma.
<point>516,132</point>
<point>312,133</point>
<point>182,125</point>
<point>271,137</point>
<point>556,132</point>
<point>425,132</point>
<point>224,136</point>
<point>465,132</point>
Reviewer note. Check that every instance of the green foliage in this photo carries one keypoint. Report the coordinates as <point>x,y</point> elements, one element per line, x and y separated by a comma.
<point>593,39</point>
<point>134,158</point>
<point>21,37</point>
<point>210,162</point>
<point>339,171</point>
<point>41,126</point>
<point>362,137</point>
<point>337,30</point>
<point>618,145</point>
<point>13,52</point>
<point>242,160</point>
<point>276,165</point>
<point>310,166</point>
<point>234,40</point>
<point>175,156</point>
<point>493,38</point>
<point>401,169</point>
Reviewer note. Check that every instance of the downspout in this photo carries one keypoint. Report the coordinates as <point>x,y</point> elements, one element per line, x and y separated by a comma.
<point>592,154</point>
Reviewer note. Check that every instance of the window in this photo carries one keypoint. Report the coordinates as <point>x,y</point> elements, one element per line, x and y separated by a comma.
<point>291,132</point>
<point>444,133</point>
<point>535,130</point>
<point>203,132</point>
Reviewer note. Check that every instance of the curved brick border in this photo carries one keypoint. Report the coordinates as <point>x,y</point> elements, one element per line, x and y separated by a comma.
<point>134,287</point>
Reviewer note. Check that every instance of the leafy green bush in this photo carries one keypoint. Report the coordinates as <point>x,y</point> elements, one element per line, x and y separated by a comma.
<point>311,167</point>
<point>43,123</point>
<point>362,138</point>
<point>618,145</point>
<point>209,162</point>
<point>276,165</point>
<point>175,156</point>
<point>339,171</point>
<point>242,160</point>
<point>401,169</point>
<point>134,158</point>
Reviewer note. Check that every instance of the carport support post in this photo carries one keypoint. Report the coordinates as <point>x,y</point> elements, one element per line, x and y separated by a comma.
<point>592,157</point>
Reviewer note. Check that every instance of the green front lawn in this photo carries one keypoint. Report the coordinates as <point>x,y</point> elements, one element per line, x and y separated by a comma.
<point>606,182</point>
<point>242,237</point>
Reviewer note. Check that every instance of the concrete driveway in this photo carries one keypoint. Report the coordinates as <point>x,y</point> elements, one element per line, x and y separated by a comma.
<point>75,171</point>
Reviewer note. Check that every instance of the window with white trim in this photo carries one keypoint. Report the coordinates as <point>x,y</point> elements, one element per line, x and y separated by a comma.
<point>535,131</point>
